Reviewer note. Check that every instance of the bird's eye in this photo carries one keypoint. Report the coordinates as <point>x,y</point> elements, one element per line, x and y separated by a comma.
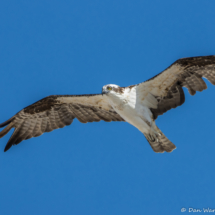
<point>109,88</point>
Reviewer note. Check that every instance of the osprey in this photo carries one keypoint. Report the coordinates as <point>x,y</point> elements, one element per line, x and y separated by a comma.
<point>139,105</point>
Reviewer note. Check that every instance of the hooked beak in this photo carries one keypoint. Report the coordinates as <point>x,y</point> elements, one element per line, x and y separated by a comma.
<point>104,92</point>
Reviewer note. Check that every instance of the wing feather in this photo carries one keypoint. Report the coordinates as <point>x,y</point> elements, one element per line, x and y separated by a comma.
<point>166,87</point>
<point>59,121</point>
<point>43,125</point>
<point>55,112</point>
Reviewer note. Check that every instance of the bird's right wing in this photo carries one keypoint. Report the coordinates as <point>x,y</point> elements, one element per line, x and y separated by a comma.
<point>166,87</point>
<point>55,112</point>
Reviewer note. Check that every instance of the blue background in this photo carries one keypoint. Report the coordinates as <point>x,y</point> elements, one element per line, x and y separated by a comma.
<point>76,47</point>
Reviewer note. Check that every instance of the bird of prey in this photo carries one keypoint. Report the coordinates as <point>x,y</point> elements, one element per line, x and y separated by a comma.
<point>139,104</point>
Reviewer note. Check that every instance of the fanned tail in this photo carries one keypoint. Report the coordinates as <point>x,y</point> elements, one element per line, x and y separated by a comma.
<point>159,142</point>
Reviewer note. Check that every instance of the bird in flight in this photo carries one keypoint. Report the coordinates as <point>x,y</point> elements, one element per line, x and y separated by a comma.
<point>139,104</point>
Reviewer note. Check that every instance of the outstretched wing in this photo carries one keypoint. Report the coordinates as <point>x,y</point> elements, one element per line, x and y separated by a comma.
<point>55,112</point>
<point>166,87</point>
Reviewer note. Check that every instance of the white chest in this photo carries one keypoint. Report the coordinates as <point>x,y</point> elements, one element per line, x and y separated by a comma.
<point>128,106</point>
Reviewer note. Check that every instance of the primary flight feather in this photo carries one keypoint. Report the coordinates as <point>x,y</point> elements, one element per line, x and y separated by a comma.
<point>139,105</point>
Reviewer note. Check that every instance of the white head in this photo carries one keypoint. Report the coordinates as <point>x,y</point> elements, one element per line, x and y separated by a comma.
<point>111,89</point>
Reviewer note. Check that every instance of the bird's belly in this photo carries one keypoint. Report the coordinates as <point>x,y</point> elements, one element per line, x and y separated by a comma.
<point>139,118</point>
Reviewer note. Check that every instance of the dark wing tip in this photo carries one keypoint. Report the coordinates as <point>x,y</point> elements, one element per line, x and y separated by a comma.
<point>6,130</point>
<point>7,146</point>
<point>6,122</point>
<point>198,60</point>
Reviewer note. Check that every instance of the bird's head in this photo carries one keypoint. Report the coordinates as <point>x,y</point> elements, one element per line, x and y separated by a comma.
<point>111,88</point>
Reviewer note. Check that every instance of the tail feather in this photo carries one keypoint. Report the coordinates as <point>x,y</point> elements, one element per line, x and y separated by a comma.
<point>160,142</point>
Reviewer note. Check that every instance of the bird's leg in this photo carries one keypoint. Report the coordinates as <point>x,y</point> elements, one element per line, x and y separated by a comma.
<point>154,132</point>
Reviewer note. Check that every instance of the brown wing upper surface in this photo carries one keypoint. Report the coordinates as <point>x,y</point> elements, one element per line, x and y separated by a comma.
<point>55,112</point>
<point>166,87</point>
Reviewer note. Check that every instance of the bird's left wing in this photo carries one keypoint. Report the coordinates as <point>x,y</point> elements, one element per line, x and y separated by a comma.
<point>55,112</point>
<point>164,91</point>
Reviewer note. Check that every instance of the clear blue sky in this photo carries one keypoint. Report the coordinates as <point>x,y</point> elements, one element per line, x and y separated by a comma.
<point>76,47</point>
